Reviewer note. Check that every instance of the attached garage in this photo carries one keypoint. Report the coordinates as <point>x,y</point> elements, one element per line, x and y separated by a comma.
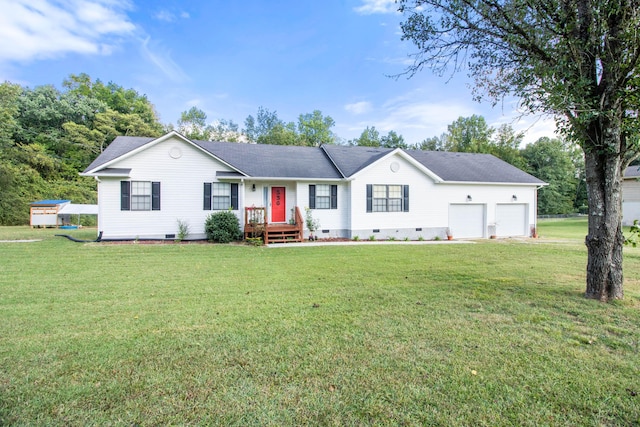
<point>511,219</point>
<point>631,195</point>
<point>467,221</point>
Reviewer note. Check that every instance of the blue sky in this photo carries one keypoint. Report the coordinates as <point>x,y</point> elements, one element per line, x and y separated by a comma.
<point>230,57</point>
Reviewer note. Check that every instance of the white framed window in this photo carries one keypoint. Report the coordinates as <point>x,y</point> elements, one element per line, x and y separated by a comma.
<point>323,196</point>
<point>139,196</point>
<point>220,196</point>
<point>387,198</point>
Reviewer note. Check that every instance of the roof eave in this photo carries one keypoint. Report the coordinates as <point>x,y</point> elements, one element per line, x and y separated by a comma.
<point>527,184</point>
<point>279,178</point>
<point>154,142</point>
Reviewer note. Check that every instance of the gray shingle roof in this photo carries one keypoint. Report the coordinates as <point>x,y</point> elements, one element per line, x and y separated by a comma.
<point>334,161</point>
<point>118,147</point>
<point>350,160</point>
<point>273,161</point>
<point>472,167</point>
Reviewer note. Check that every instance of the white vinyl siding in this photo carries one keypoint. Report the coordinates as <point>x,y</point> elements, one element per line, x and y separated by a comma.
<point>182,187</point>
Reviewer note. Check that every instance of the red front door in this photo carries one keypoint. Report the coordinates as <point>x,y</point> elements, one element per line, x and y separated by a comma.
<point>278,204</point>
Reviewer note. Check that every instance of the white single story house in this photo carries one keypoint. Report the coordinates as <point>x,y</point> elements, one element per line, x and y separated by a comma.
<point>631,195</point>
<point>147,185</point>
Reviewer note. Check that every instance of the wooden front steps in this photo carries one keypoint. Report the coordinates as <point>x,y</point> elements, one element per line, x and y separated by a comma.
<point>256,225</point>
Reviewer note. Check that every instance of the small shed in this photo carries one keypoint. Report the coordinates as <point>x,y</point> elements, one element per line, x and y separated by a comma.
<point>44,213</point>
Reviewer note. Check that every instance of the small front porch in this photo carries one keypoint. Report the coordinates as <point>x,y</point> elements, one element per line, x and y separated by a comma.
<point>257,226</point>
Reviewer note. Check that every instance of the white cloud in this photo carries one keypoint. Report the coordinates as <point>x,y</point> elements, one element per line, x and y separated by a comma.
<point>410,116</point>
<point>193,102</point>
<point>370,7</point>
<point>162,60</point>
<point>535,127</point>
<point>358,108</point>
<point>167,16</point>
<point>418,120</point>
<point>39,29</point>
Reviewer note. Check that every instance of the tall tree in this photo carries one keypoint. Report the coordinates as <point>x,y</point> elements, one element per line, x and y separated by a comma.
<point>369,137</point>
<point>506,146</point>
<point>264,122</point>
<point>575,59</point>
<point>549,160</point>
<point>315,129</point>
<point>9,94</point>
<point>115,97</point>
<point>469,135</point>
<point>47,136</point>
<point>267,128</point>
<point>225,130</point>
<point>434,143</point>
<point>393,140</point>
<point>193,124</point>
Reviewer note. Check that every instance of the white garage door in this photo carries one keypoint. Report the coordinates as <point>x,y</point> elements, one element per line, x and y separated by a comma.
<point>466,221</point>
<point>511,220</point>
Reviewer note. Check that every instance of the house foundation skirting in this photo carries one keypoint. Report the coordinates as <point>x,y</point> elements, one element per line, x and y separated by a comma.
<point>424,233</point>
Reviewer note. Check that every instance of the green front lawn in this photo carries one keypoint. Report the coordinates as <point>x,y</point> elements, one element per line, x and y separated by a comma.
<point>492,333</point>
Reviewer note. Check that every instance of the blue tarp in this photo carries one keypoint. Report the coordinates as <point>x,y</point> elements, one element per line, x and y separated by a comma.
<point>50,202</point>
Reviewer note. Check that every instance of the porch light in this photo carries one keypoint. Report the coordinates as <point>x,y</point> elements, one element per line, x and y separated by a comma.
<point>469,198</point>
<point>514,198</point>
<point>253,187</point>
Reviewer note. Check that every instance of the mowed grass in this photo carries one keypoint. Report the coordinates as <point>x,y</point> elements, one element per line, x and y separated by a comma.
<point>493,333</point>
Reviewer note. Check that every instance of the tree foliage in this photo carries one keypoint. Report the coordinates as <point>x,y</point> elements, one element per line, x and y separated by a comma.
<point>313,129</point>
<point>575,59</point>
<point>548,160</point>
<point>193,124</point>
<point>370,137</point>
<point>47,136</point>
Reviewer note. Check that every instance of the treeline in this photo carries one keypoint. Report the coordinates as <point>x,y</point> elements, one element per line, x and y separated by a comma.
<point>559,164</point>
<point>48,136</point>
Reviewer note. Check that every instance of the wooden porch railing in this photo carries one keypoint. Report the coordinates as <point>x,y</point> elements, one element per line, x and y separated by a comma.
<point>256,225</point>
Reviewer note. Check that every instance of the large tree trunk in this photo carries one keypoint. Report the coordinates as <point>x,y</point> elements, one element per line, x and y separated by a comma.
<point>605,239</point>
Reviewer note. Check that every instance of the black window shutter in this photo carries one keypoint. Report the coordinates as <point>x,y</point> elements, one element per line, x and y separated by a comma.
<point>405,201</point>
<point>207,197</point>
<point>369,197</point>
<point>312,196</point>
<point>334,197</point>
<point>125,195</point>
<point>234,197</point>
<point>155,196</point>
